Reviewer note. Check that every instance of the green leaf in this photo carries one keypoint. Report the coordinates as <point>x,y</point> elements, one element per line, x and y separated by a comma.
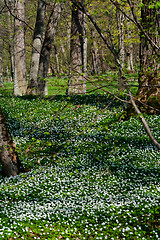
<point>151,6</point>
<point>106,127</point>
<point>46,133</point>
<point>157,6</point>
<point>141,5</point>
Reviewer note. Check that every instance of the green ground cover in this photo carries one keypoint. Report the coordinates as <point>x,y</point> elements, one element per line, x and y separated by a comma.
<point>91,177</point>
<point>98,84</point>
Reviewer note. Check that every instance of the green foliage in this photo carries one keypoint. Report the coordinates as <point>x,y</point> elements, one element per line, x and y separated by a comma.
<point>157,6</point>
<point>91,176</point>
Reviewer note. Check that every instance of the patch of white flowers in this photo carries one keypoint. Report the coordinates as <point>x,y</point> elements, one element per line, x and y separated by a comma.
<point>100,178</point>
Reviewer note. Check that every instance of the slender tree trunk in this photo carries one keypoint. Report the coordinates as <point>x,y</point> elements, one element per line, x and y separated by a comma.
<point>129,53</point>
<point>120,21</point>
<point>102,59</point>
<point>84,43</point>
<point>57,60</point>
<point>64,60</point>
<point>10,42</point>
<point>11,61</point>
<point>36,49</point>
<point>20,83</point>
<point>8,75</point>
<point>1,57</point>
<point>11,165</point>
<point>120,18</point>
<point>129,48</point>
<point>77,83</point>
<point>95,54</point>
<point>47,47</point>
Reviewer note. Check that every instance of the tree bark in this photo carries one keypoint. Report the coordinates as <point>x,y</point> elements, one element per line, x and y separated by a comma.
<point>95,55</point>
<point>36,48</point>
<point>129,53</point>
<point>120,21</point>
<point>11,165</point>
<point>10,42</point>
<point>120,25</point>
<point>47,47</point>
<point>77,84</point>
<point>20,73</point>
<point>1,57</point>
<point>57,59</point>
<point>84,43</point>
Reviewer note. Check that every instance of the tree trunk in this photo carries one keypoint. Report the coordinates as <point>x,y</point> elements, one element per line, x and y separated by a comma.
<point>148,92</point>
<point>77,83</point>
<point>84,44</point>
<point>10,42</point>
<point>95,55</point>
<point>11,61</point>
<point>1,57</point>
<point>36,48</point>
<point>120,21</point>
<point>47,47</point>
<point>20,83</point>
<point>57,59</point>
<point>129,52</point>
<point>11,165</point>
<point>129,48</point>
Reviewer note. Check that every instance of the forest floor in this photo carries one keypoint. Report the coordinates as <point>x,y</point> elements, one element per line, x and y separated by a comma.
<point>91,176</point>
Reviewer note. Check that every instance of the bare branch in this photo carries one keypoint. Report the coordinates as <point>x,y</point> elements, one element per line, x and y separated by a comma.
<point>154,46</point>
<point>13,15</point>
<point>145,124</point>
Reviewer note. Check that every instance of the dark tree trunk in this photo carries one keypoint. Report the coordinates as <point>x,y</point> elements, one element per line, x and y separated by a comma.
<point>36,49</point>
<point>11,165</point>
<point>47,47</point>
<point>77,83</point>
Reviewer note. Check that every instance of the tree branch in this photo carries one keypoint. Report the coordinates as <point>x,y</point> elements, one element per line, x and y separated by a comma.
<point>81,7</point>
<point>154,46</point>
<point>13,15</point>
<point>145,124</point>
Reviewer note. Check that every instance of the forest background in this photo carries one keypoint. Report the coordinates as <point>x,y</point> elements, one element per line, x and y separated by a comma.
<point>75,70</point>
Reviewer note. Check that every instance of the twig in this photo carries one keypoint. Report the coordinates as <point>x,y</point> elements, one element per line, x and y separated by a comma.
<point>13,15</point>
<point>145,124</point>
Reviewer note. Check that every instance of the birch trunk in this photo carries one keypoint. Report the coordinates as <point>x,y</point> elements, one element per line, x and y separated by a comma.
<point>20,83</point>
<point>84,44</point>
<point>120,21</point>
